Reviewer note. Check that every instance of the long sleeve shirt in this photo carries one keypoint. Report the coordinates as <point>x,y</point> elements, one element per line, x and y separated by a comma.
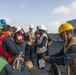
<point>10,46</point>
<point>64,59</point>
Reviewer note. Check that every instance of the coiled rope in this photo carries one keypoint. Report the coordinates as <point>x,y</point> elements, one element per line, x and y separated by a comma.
<point>18,63</point>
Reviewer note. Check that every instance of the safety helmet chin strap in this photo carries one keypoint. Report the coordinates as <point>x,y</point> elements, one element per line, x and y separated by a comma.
<point>68,68</point>
<point>65,35</point>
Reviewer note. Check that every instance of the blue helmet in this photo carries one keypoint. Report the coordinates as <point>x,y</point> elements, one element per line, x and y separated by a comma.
<point>3,22</point>
<point>45,31</point>
<point>37,27</point>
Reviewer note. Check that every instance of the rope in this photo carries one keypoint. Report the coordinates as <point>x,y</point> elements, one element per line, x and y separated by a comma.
<point>18,63</point>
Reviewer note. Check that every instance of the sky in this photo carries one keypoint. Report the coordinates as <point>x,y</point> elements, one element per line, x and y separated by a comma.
<point>51,13</point>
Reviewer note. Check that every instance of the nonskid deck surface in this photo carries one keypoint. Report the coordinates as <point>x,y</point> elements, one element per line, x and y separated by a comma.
<point>54,48</point>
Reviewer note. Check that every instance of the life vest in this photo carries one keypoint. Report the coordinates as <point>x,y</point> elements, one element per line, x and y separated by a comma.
<point>5,33</point>
<point>8,55</point>
<point>19,38</point>
<point>44,48</point>
<point>73,63</point>
<point>31,38</point>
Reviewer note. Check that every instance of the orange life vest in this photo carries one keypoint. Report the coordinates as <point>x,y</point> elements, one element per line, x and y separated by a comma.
<point>19,38</point>
<point>8,55</point>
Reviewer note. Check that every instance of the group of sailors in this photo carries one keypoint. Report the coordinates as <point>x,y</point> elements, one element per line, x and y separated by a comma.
<point>33,44</point>
<point>15,41</point>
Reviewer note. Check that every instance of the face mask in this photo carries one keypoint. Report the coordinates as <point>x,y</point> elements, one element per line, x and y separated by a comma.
<point>38,35</point>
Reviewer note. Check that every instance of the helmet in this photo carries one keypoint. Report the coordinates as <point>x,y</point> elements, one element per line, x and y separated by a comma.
<point>1,26</point>
<point>31,26</point>
<point>42,27</point>
<point>14,29</point>
<point>19,28</point>
<point>64,27</point>
<point>3,22</point>
<point>45,31</point>
<point>37,27</point>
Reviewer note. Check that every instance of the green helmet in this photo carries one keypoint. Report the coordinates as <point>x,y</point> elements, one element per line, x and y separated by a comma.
<point>1,26</point>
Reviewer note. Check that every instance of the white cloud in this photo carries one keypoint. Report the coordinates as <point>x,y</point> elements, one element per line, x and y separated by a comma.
<point>8,21</point>
<point>55,24</point>
<point>73,5</point>
<point>22,5</point>
<point>53,27</point>
<point>62,9</point>
<point>66,9</point>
